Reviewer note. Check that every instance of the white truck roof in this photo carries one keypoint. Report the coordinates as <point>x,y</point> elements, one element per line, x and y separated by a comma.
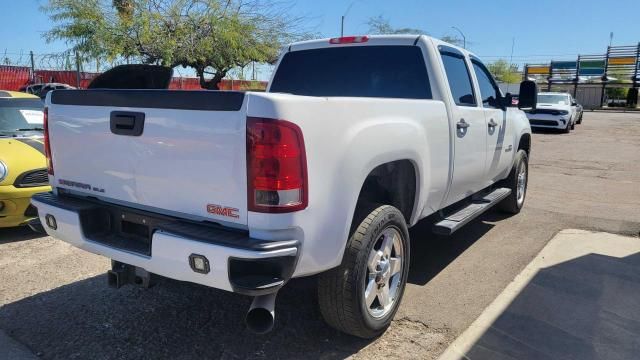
<point>372,40</point>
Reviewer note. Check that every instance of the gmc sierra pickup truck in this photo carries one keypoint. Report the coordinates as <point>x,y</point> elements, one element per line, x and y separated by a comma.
<point>356,139</point>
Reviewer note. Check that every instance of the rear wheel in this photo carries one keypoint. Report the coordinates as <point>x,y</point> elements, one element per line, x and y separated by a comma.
<point>361,296</point>
<point>517,182</point>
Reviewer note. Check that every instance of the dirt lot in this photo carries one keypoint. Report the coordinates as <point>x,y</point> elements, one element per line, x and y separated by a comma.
<point>55,299</point>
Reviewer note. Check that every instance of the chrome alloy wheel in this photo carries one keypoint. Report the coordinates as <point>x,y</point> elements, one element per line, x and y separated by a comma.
<point>384,273</point>
<point>521,186</point>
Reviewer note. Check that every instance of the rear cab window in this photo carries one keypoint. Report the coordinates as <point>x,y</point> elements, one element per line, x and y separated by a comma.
<point>354,71</point>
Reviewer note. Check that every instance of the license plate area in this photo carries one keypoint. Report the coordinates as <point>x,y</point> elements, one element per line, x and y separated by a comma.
<point>119,228</point>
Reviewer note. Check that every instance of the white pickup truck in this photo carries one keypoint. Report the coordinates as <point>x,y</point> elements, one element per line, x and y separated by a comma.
<point>356,139</point>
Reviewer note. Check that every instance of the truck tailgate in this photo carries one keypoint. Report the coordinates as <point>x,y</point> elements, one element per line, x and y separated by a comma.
<point>179,152</point>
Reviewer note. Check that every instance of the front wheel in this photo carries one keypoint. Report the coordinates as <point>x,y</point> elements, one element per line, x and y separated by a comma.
<point>517,182</point>
<point>361,296</point>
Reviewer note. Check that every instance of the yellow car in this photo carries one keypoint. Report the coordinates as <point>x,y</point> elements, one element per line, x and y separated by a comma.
<point>23,168</point>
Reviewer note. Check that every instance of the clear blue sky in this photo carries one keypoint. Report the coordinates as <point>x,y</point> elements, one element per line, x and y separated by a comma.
<point>543,29</point>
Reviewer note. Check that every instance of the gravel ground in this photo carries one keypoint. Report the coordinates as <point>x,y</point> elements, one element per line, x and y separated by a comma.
<point>54,298</point>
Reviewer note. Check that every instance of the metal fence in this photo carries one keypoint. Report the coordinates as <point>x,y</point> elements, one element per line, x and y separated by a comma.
<point>19,70</point>
<point>619,67</point>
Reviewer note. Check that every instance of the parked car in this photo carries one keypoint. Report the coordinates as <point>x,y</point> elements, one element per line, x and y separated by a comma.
<point>41,90</point>
<point>22,160</point>
<point>579,113</point>
<point>356,139</point>
<point>554,111</point>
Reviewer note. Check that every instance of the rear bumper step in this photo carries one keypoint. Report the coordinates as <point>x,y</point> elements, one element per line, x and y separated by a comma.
<point>165,245</point>
<point>454,221</point>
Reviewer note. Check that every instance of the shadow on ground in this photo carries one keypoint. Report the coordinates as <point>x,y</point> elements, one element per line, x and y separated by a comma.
<point>549,131</point>
<point>430,253</point>
<point>16,234</point>
<point>177,320</point>
<point>586,308</point>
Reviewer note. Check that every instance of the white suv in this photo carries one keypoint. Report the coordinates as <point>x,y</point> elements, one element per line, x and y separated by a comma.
<point>554,111</point>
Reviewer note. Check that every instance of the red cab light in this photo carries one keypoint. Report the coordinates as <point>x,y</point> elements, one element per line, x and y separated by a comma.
<point>276,166</point>
<point>349,39</point>
<point>47,143</point>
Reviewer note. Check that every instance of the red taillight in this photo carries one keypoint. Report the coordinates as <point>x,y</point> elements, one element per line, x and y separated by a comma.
<point>349,40</point>
<point>276,166</point>
<point>47,143</point>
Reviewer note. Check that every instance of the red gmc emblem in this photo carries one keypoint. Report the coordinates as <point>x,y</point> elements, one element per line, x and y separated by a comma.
<point>222,211</point>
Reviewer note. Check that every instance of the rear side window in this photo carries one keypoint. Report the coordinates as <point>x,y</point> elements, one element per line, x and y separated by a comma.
<point>357,71</point>
<point>459,79</point>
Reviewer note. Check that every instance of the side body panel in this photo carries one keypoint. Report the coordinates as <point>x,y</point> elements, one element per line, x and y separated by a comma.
<point>345,139</point>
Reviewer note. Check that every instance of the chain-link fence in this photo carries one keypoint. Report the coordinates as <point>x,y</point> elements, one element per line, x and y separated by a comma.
<point>20,69</point>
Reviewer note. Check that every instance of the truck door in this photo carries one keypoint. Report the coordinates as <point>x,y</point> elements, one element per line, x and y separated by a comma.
<point>469,127</point>
<point>499,129</point>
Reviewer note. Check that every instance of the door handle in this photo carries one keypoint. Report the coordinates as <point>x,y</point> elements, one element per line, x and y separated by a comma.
<point>492,123</point>
<point>127,123</point>
<point>462,124</point>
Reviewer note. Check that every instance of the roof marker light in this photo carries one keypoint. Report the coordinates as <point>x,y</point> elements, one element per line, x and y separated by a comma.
<point>349,39</point>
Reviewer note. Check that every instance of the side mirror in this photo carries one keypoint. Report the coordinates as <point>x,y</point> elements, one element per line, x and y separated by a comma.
<point>528,97</point>
<point>574,104</point>
<point>505,101</point>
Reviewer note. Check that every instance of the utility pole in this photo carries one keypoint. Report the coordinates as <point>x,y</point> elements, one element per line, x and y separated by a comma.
<point>513,45</point>
<point>33,68</point>
<point>610,38</point>
<point>343,16</point>
<point>464,38</point>
<point>77,70</point>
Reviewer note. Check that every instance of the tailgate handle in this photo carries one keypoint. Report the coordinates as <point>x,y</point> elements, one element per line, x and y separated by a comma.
<point>127,123</point>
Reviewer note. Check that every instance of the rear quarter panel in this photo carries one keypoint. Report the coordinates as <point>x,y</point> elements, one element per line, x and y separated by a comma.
<point>346,138</point>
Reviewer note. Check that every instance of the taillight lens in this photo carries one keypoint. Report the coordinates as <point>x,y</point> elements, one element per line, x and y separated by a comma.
<point>47,143</point>
<point>276,166</point>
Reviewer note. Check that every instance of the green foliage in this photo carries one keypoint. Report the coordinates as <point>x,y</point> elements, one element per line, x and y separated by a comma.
<point>504,72</point>
<point>380,26</point>
<point>211,36</point>
<point>617,93</point>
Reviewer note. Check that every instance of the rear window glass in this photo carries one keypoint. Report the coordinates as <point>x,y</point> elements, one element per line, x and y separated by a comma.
<point>358,71</point>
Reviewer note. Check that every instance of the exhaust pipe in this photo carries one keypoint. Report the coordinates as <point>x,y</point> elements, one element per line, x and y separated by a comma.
<point>261,314</point>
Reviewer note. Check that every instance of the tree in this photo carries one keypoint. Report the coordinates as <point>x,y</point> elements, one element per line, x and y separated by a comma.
<point>452,40</point>
<point>381,26</point>
<point>211,36</point>
<point>504,72</point>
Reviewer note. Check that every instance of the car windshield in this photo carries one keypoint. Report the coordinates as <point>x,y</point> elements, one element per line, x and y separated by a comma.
<point>553,99</point>
<point>18,116</point>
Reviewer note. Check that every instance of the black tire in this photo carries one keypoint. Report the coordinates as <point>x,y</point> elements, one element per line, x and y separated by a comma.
<point>511,204</point>
<point>341,290</point>
<point>579,120</point>
<point>573,126</point>
<point>567,129</point>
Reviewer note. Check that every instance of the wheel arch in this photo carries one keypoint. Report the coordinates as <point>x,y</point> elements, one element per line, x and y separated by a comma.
<point>394,183</point>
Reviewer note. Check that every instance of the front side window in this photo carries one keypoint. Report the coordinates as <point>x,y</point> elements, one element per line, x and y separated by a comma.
<point>459,79</point>
<point>488,89</point>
